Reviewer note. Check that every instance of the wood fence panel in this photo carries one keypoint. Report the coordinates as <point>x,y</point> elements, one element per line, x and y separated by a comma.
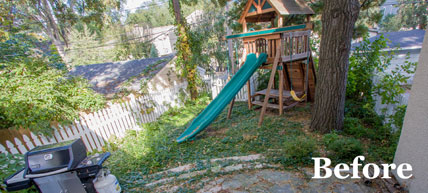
<point>95,129</point>
<point>3,149</point>
<point>11,147</point>
<point>86,136</point>
<point>21,147</point>
<point>119,121</point>
<point>36,140</point>
<point>113,123</point>
<point>28,142</point>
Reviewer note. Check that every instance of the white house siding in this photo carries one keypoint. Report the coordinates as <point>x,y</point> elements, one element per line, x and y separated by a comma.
<point>162,39</point>
<point>389,7</point>
<point>166,78</point>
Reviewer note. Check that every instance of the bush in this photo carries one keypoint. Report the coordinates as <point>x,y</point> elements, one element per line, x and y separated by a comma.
<point>363,111</point>
<point>34,93</point>
<point>354,127</point>
<point>299,149</point>
<point>330,138</point>
<point>153,52</point>
<point>342,149</point>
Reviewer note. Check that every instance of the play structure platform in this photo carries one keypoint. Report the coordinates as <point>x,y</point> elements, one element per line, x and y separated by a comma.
<point>284,50</point>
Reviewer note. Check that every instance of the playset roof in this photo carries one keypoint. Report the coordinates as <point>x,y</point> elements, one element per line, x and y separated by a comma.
<point>266,10</point>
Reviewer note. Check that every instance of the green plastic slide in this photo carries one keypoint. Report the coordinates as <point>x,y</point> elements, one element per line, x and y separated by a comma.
<point>224,97</point>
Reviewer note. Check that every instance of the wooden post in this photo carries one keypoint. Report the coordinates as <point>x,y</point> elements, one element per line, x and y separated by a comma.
<point>250,105</point>
<point>281,89</point>
<point>271,80</point>
<point>244,26</point>
<point>280,21</point>
<point>229,112</point>
<point>303,73</point>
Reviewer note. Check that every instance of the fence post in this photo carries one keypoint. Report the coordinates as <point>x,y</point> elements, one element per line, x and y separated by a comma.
<point>35,139</point>
<point>11,147</point>
<point>3,149</point>
<point>86,136</point>
<point>27,141</point>
<point>20,146</point>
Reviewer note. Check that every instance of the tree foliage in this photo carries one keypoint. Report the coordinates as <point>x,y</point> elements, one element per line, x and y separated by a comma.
<point>88,47</point>
<point>34,88</point>
<point>370,73</point>
<point>411,14</point>
<point>153,51</point>
<point>154,14</point>
<point>183,63</point>
<point>56,18</point>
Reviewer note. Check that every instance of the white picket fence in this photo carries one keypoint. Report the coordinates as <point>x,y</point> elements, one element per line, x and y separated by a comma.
<point>217,83</point>
<point>97,128</point>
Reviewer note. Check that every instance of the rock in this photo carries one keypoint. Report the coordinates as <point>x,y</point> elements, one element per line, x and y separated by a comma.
<point>233,168</point>
<point>282,188</point>
<point>231,184</point>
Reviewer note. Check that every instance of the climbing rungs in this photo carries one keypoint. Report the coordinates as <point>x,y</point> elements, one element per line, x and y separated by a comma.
<point>274,106</point>
<point>275,93</point>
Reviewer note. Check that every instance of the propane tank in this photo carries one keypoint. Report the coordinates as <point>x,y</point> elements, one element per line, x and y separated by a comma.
<point>106,183</point>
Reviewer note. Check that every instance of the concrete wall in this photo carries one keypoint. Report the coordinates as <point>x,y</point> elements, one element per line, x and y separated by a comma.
<point>413,145</point>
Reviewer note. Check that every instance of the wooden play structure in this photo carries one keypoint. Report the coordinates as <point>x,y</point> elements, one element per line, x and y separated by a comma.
<point>288,53</point>
<point>283,50</point>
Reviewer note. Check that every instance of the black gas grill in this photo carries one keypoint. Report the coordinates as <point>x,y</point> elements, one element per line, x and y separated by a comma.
<point>62,167</point>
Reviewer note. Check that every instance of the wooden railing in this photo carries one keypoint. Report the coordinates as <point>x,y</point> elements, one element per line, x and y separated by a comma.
<point>263,44</point>
<point>295,45</point>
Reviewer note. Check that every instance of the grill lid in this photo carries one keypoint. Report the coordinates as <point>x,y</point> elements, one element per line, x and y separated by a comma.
<point>48,158</point>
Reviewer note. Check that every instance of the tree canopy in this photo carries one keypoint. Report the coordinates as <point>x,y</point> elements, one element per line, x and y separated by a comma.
<point>411,14</point>
<point>56,18</point>
<point>35,90</point>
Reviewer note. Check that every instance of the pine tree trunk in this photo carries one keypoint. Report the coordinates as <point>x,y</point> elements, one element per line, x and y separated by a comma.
<point>338,20</point>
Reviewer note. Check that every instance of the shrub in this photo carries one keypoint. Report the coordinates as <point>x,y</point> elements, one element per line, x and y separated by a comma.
<point>153,51</point>
<point>354,127</point>
<point>34,93</point>
<point>342,149</point>
<point>299,149</point>
<point>364,111</point>
<point>330,138</point>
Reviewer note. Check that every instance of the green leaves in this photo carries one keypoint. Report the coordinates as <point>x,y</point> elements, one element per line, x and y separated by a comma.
<point>9,164</point>
<point>33,94</point>
<point>369,72</point>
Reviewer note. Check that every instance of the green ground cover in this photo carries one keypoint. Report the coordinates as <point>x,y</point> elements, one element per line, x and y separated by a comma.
<point>282,139</point>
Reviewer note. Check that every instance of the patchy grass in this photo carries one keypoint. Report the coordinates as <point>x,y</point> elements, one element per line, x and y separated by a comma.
<point>154,148</point>
<point>283,139</point>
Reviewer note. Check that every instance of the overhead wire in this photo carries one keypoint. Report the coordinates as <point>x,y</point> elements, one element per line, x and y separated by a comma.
<point>120,10</point>
<point>135,38</point>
